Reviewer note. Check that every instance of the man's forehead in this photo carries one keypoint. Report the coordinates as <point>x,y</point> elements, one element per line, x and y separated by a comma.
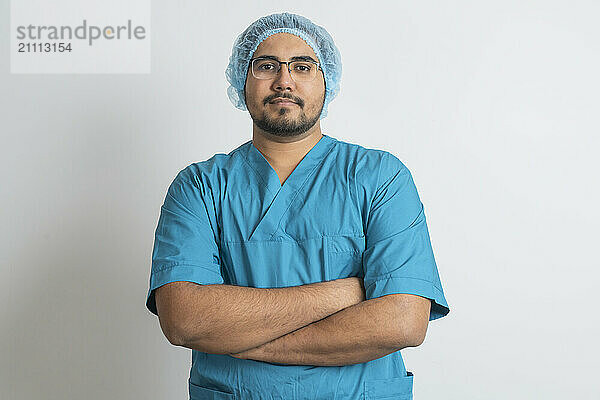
<point>284,45</point>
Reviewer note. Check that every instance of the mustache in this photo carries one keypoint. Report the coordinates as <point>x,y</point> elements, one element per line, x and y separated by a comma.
<point>283,96</point>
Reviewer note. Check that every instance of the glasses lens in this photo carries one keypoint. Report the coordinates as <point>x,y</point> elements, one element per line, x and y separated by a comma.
<point>303,71</point>
<point>265,69</point>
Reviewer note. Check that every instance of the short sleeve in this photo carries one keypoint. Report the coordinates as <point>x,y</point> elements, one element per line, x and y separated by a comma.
<point>398,256</point>
<point>185,244</point>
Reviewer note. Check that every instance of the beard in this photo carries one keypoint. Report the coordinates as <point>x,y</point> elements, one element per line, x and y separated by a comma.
<point>284,124</point>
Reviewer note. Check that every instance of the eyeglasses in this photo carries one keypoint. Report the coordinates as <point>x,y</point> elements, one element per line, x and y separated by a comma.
<point>300,71</point>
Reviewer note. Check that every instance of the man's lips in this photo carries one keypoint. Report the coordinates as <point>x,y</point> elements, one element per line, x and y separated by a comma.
<point>283,102</point>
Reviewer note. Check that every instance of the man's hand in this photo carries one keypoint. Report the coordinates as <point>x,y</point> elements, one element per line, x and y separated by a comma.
<point>360,333</point>
<point>356,293</point>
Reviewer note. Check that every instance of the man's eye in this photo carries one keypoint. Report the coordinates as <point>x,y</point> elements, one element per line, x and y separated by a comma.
<point>302,67</point>
<point>266,66</point>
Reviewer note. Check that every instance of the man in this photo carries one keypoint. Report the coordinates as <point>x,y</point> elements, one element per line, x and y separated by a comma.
<point>298,265</point>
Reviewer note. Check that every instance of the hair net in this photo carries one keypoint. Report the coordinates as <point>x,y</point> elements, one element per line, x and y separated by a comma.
<point>314,35</point>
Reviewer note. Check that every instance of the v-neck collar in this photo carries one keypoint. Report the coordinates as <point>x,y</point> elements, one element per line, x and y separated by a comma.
<point>278,198</point>
<point>295,180</point>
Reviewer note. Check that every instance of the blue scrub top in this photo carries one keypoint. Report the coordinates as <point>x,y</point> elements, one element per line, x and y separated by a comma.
<point>344,211</point>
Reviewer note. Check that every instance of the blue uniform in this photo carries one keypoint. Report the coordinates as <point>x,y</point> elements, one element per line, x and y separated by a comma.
<point>344,211</point>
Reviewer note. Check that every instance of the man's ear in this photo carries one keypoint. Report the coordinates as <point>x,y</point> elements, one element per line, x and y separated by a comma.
<point>245,83</point>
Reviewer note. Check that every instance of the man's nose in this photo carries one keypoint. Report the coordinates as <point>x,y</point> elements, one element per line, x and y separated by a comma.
<point>283,80</point>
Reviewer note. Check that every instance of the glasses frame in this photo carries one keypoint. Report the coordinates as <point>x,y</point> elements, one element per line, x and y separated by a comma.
<point>287,63</point>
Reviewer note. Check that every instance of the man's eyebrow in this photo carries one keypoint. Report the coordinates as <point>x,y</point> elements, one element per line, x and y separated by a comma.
<point>295,58</point>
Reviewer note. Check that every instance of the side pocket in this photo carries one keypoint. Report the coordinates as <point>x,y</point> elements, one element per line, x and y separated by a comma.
<point>198,392</point>
<point>399,388</point>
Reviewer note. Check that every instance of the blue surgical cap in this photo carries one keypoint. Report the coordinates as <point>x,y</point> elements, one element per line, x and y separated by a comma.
<point>314,35</point>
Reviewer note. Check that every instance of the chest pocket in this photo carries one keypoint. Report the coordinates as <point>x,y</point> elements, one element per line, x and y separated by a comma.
<point>344,256</point>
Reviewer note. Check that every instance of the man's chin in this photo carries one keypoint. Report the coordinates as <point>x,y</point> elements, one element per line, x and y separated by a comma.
<point>288,124</point>
<point>282,129</point>
<point>284,122</point>
<point>288,115</point>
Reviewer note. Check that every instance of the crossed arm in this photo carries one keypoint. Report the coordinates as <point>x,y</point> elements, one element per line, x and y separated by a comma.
<point>324,323</point>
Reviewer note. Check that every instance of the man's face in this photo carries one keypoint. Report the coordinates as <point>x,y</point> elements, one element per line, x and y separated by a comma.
<point>309,97</point>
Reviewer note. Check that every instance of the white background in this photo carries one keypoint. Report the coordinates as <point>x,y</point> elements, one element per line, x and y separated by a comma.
<point>492,105</point>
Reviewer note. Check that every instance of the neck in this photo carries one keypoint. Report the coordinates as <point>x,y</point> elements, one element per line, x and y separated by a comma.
<point>285,152</point>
